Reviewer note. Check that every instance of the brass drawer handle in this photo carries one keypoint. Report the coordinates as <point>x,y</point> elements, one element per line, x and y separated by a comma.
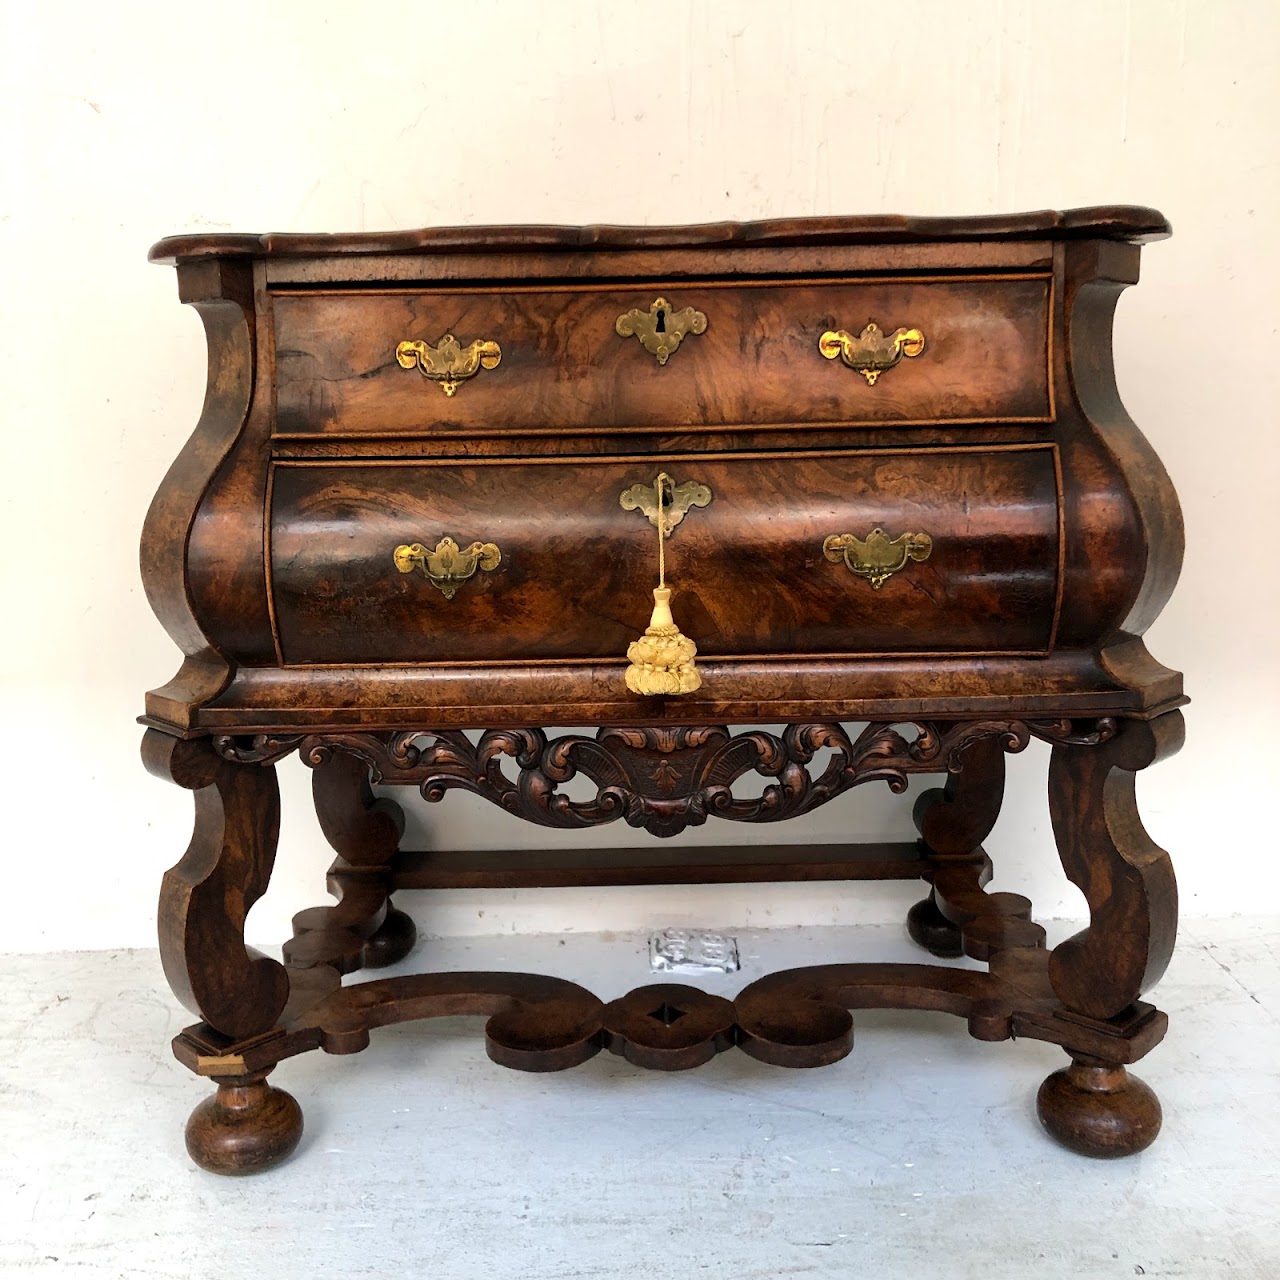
<point>871,353</point>
<point>876,557</point>
<point>449,565</point>
<point>449,362</point>
<point>660,329</point>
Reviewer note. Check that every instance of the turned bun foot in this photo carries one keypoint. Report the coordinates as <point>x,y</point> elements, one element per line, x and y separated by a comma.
<point>1099,1111</point>
<point>391,941</point>
<point>932,930</point>
<point>246,1127</point>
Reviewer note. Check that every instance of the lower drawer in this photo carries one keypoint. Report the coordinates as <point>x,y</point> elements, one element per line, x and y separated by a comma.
<point>783,560</point>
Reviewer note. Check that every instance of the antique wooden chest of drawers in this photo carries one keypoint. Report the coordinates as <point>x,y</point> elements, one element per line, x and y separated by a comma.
<point>452,486</point>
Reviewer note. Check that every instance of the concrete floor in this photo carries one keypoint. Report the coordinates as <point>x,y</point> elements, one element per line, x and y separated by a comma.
<point>919,1156</point>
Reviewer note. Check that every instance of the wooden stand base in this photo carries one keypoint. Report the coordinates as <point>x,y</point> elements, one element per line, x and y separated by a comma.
<point>796,1018</point>
<point>1084,996</point>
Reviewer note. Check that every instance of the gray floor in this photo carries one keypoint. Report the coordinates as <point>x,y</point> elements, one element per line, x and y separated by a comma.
<point>919,1156</point>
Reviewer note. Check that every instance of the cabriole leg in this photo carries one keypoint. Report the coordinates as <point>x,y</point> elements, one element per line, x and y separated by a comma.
<point>205,898</point>
<point>203,903</point>
<point>1092,1106</point>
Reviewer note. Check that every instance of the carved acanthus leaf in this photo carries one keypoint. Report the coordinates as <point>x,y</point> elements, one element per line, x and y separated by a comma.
<point>662,778</point>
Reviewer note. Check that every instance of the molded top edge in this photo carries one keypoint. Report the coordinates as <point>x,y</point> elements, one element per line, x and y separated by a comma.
<point>1133,223</point>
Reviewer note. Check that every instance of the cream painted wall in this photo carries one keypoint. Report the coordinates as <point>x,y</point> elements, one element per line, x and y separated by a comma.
<point>127,122</point>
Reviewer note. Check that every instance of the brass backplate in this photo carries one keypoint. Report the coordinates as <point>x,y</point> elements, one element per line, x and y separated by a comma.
<point>449,363</point>
<point>449,565</point>
<point>661,329</point>
<point>871,353</point>
<point>877,557</point>
<point>665,502</point>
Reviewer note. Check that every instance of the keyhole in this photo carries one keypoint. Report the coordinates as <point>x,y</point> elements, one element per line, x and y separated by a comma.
<point>661,325</point>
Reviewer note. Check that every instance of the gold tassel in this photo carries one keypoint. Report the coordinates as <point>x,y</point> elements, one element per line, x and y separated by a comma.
<point>661,661</point>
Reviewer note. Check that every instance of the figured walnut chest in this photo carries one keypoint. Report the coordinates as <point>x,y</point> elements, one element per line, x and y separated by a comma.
<point>403,502</point>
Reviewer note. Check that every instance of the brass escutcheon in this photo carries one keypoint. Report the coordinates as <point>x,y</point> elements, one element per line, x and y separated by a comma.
<point>660,329</point>
<point>871,353</point>
<point>448,362</point>
<point>876,557</point>
<point>664,501</point>
<point>448,566</point>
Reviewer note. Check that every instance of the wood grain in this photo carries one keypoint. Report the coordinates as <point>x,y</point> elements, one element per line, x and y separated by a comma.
<point>205,898</point>
<point>1122,222</point>
<point>1124,875</point>
<point>986,357</point>
<point>748,570</point>
<point>363,929</point>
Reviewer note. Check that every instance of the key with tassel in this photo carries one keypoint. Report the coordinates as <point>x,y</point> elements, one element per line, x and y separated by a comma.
<point>661,662</point>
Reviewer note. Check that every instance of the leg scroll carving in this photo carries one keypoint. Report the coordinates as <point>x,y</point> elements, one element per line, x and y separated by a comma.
<point>535,1023</point>
<point>363,929</point>
<point>1126,878</point>
<point>955,819</point>
<point>204,899</point>
<point>1094,1107</point>
<point>958,917</point>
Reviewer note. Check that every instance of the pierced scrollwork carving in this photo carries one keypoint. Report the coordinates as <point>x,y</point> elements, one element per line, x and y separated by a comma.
<point>384,753</point>
<point>663,778</point>
<point>943,745</point>
<point>1076,733</point>
<point>258,748</point>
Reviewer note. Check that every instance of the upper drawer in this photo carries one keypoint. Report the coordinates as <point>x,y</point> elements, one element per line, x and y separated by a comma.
<point>546,565</point>
<point>564,365</point>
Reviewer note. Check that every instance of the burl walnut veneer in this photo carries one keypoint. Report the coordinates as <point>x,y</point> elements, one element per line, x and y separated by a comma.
<point>892,486</point>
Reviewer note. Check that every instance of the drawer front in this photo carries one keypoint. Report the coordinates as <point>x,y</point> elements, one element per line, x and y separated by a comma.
<point>562,363</point>
<point>549,566</point>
